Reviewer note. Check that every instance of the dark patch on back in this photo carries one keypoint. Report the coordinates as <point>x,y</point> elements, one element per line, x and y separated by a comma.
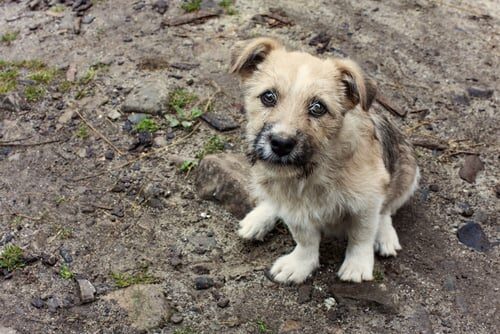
<point>390,139</point>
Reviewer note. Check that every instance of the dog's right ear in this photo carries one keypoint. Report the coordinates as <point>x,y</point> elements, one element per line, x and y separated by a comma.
<point>247,56</point>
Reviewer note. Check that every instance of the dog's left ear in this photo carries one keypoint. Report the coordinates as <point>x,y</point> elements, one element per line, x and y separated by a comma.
<point>246,57</point>
<point>358,88</point>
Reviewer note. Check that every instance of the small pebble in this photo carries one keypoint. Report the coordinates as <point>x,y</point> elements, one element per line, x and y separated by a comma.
<point>65,254</point>
<point>109,155</point>
<point>37,302</point>
<point>223,303</point>
<point>176,318</point>
<point>203,283</point>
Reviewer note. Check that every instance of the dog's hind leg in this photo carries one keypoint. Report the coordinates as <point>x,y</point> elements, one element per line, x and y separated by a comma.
<point>386,241</point>
<point>258,222</point>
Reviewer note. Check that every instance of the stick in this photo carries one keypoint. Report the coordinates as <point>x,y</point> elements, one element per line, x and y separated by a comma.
<point>99,134</point>
<point>387,106</point>
<point>9,143</point>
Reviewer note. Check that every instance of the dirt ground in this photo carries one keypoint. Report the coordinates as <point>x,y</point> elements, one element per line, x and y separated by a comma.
<point>86,197</point>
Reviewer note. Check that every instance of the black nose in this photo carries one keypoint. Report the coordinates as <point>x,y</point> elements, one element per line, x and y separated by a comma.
<point>282,146</point>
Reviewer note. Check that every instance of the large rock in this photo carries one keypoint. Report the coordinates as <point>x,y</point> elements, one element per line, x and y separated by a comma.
<point>224,178</point>
<point>150,98</point>
<point>87,291</point>
<point>364,294</point>
<point>472,165</point>
<point>145,304</point>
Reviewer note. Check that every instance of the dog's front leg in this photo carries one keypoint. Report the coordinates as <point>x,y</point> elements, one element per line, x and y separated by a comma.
<point>301,262</point>
<point>359,258</point>
<point>258,222</point>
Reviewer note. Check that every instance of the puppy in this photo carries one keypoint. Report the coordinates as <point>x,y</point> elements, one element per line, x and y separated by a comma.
<point>321,162</point>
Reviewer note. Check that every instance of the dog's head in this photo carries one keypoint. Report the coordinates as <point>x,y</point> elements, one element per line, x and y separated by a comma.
<point>296,102</point>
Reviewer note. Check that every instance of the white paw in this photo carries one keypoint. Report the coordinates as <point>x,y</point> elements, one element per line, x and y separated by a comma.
<point>293,269</point>
<point>387,242</point>
<point>357,268</point>
<point>254,229</point>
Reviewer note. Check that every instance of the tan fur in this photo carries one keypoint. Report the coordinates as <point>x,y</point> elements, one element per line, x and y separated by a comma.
<point>348,187</point>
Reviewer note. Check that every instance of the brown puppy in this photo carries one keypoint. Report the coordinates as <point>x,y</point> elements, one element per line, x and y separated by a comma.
<point>321,162</point>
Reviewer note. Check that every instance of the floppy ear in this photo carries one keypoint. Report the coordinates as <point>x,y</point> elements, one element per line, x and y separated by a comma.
<point>358,88</point>
<point>246,57</point>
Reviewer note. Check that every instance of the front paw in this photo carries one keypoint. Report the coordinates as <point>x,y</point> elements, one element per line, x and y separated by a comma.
<point>293,269</point>
<point>253,229</point>
<point>357,268</point>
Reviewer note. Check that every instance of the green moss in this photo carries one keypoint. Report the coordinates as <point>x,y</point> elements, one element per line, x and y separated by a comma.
<point>262,327</point>
<point>228,6</point>
<point>11,258</point>
<point>65,272</point>
<point>191,6</point>
<point>378,275</point>
<point>147,125</point>
<point>123,280</point>
<point>9,37</point>
<point>34,93</point>
<point>43,76</point>
<point>214,144</point>
<point>58,8</point>
<point>8,80</point>
<point>188,165</point>
<point>180,98</point>
<point>82,132</point>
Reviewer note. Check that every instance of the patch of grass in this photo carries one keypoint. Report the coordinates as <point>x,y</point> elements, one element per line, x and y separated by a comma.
<point>180,98</point>
<point>88,76</point>
<point>228,6</point>
<point>65,272</point>
<point>65,86</point>
<point>82,132</point>
<point>34,93</point>
<point>9,37</point>
<point>123,280</point>
<point>17,221</point>
<point>43,76</point>
<point>191,6</point>
<point>64,233</point>
<point>378,275</point>
<point>8,80</point>
<point>11,257</point>
<point>188,165</point>
<point>214,144</point>
<point>58,8</point>
<point>262,327</point>
<point>147,125</point>
<point>185,330</point>
<point>33,64</point>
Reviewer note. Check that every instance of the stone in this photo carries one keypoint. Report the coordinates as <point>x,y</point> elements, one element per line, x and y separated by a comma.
<point>203,283</point>
<point>367,294</point>
<point>472,235</point>
<point>220,122</point>
<point>224,178</point>
<point>49,259</point>
<point>88,19</point>
<point>472,165</point>
<point>37,302</point>
<point>66,255</point>
<point>176,318</point>
<point>160,6</point>
<point>290,326</point>
<point>461,99</point>
<point>136,118</point>
<point>114,115</point>
<point>465,209</point>
<point>434,188</point>
<point>87,291</point>
<point>223,303</point>
<point>160,141</point>
<point>150,98</point>
<point>10,102</point>
<point>480,92</point>
<point>146,305</point>
<point>109,155</point>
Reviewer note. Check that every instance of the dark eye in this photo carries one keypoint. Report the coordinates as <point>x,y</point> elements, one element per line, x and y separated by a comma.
<point>269,98</point>
<point>317,109</point>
